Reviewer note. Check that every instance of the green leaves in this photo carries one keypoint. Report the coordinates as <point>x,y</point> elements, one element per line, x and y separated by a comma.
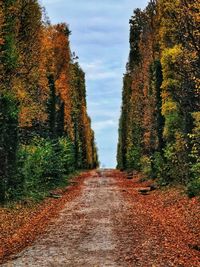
<point>43,165</point>
<point>159,124</point>
<point>8,142</point>
<point>43,95</point>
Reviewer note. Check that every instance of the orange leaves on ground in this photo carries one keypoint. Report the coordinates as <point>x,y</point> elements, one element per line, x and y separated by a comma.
<point>22,223</point>
<point>168,219</point>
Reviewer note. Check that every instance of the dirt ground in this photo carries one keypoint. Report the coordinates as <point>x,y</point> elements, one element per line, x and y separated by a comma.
<point>110,224</point>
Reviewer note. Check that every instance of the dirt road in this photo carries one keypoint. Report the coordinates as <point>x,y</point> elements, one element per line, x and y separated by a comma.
<point>101,227</point>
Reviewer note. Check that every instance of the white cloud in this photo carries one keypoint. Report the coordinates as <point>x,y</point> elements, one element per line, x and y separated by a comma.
<point>98,70</point>
<point>102,125</point>
<point>97,112</point>
<point>101,75</point>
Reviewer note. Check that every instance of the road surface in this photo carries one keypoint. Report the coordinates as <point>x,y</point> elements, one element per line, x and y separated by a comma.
<point>99,228</point>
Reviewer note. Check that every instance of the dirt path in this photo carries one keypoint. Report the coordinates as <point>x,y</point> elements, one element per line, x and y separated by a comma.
<point>83,234</point>
<point>101,228</point>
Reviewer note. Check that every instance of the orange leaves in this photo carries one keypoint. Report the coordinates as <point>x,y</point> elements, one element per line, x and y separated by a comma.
<point>69,88</point>
<point>159,228</point>
<point>20,226</point>
<point>38,69</point>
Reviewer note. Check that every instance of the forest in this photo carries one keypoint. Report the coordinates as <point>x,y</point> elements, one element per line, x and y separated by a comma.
<point>159,127</point>
<point>45,131</point>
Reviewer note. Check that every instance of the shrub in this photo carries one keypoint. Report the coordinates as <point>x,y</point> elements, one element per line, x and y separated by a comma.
<point>146,168</point>
<point>33,160</point>
<point>133,158</point>
<point>160,169</point>
<point>177,160</point>
<point>158,165</point>
<point>67,155</point>
<point>42,165</point>
<point>193,188</point>
<point>8,143</point>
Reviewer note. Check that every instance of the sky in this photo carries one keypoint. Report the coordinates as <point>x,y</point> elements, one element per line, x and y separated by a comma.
<point>100,38</point>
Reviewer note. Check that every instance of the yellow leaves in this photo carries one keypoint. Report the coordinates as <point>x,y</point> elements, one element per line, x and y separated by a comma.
<point>42,70</point>
<point>196,117</point>
<point>165,95</point>
<point>170,84</point>
<point>180,144</point>
<point>21,94</point>
<point>170,56</point>
<point>168,107</point>
<point>171,59</point>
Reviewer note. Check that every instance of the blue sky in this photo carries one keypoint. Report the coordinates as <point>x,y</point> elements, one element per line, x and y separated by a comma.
<point>100,38</point>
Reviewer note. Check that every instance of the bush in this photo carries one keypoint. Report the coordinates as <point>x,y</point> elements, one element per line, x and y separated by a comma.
<point>193,188</point>
<point>158,164</point>
<point>133,158</point>
<point>42,165</point>
<point>160,169</point>
<point>177,160</point>
<point>145,162</point>
<point>8,143</point>
<point>67,155</point>
<point>33,160</point>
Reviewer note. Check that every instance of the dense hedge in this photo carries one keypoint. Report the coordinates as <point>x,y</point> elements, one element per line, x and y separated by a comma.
<point>41,166</point>
<point>159,129</point>
<point>45,130</point>
<point>8,142</point>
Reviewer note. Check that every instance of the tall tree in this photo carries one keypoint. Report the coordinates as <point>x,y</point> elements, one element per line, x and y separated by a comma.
<point>163,66</point>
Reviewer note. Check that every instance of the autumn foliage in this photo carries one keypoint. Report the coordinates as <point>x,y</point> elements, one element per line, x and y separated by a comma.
<point>43,113</point>
<point>159,124</point>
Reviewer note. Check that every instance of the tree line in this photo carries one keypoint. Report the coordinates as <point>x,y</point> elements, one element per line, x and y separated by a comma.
<point>159,127</point>
<point>45,131</point>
